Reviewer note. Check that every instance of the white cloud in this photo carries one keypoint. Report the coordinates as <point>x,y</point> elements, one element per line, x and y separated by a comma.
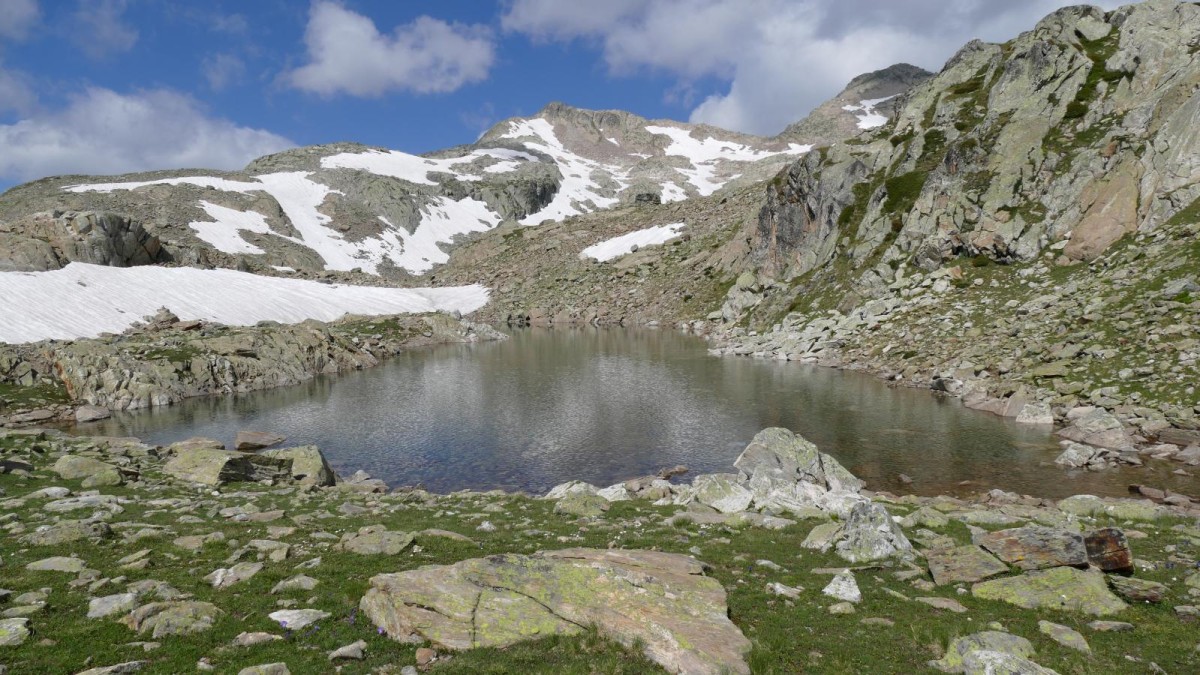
<point>17,18</point>
<point>780,58</point>
<point>16,94</point>
<point>101,131</point>
<point>100,29</point>
<point>347,54</point>
<point>223,70</point>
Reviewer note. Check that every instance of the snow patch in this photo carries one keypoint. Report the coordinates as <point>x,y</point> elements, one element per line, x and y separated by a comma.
<point>869,119</point>
<point>225,233</point>
<point>705,153</point>
<point>622,245</point>
<point>83,300</point>
<point>578,193</point>
<point>415,169</point>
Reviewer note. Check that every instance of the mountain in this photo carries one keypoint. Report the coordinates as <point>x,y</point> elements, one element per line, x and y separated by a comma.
<point>344,207</point>
<point>868,102</point>
<point>1024,230</point>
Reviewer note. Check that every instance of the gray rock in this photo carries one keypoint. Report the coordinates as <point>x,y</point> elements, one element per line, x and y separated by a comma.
<point>75,467</point>
<point>216,467</point>
<point>226,577</point>
<point>722,492</point>
<point>91,413</point>
<point>57,564</point>
<point>309,466</point>
<point>355,650</point>
<point>295,619</point>
<point>660,600</point>
<point>582,505</point>
<point>962,564</point>
<point>1036,547</point>
<point>843,587</point>
<point>1065,636</point>
<point>249,441</point>
<point>13,632</point>
<point>161,619</point>
<point>1061,588</point>
<point>118,669</point>
<point>299,582</point>
<point>266,669</point>
<point>66,532</point>
<point>121,603</point>
<point>375,540</point>
<point>989,641</point>
<point>870,534</point>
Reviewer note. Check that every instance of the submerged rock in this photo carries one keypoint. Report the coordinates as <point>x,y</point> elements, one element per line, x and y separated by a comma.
<point>661,600</point>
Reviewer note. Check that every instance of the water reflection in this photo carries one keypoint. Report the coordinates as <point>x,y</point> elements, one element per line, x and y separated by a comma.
<point>607,404</point>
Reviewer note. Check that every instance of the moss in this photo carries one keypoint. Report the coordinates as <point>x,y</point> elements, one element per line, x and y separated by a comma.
<point>37,395</point>
<point>903,190</point>
<point>1188,215</point>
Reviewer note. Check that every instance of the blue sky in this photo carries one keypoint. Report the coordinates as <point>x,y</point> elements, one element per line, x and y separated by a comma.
<point>106,86</point>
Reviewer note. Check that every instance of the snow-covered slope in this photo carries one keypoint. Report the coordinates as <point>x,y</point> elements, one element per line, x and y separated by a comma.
<point>616,247</point>
<point>348,207</point>
<point>86,300</point>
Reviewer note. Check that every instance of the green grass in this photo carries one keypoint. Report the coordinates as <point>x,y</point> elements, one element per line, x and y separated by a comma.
<point>16,396</point>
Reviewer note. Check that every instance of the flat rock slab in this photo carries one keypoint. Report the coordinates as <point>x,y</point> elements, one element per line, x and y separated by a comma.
<point>374,541</point>
<point>962,564</point>
<point>1032,548</point>
<point>948,604</point>
<point>57,564</point>
<point>1063,588</point>
<point>1137,590</point>
<point>172,618</point>
<point>249,441</point>
<point>661,600</point>
<point>1065,636</point>
<point>294,619</point>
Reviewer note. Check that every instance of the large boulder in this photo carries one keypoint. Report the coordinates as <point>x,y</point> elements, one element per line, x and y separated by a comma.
<point>66,532</point>
<point>308,465</point>
<point>786,473</point>
<point>215,467</point>
<point>1061,588</point>
<point>172,618</point>
<point>871,534</point>
<point>662,601</point>
<point>75,467</point>
<point>1032,548</point>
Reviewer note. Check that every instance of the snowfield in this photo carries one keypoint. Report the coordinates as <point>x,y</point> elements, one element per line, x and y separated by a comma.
<point>86,300</point>
<point>704,153</point>
<point>616,247</point>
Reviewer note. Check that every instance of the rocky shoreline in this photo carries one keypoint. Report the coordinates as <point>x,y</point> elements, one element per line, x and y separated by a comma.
<point>195,557</point>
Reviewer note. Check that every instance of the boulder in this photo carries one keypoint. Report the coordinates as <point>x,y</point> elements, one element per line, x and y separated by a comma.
<point>1137,590</point>
<point>988,641</point>
<point>172,618</point>
<point>308,465</point>
<point>1061,588</point>
<point>792,458</point>
<point>216,467</point>
<point>582,505</point>
<point>75,467</point>
<point>375,540</point>
<point>1108,549</point>
<point>249,441</point>
<point>962,564</point>
<point>13,632</point>
<point>662,601</point>
<point>295,619</point>
<point>722,492</point>
<point>1098,427</point>
<point>571,487</point>
<point>66,532</point>
<point>843,587</point>
<point>1065,636</point>
<point>1034,547</point>
<point>871,534</point>
<point>91,413</point>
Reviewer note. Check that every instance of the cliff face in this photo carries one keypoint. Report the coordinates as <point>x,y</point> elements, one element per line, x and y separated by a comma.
<point>1067,138</point>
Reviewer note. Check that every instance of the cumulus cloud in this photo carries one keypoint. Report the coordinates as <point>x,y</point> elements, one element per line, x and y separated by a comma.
<point>100,28</point>
<point>102,131</point>
<point>348,55</point>
<point>780,58</point>
<point>17,18</point>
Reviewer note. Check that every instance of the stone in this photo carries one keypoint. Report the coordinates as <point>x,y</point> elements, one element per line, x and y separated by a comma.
<point>106,478</point>
<point>294,619</point>
<point>843,587</point>
<point>962,563</point>
<point>1061,588</point>
<point>722,492</point>
<point>793,458</point>
<point>372,540</point>
<point>822,537</point>
<point>245,639</point>
<point>13,632</point>
<point>425,656</point>
<point>75,467</point>
<point>118,669</point>
<point>1035,413</point>
<point>91,413</point>
<point>121,603</point>
<point>841,608</point>
<point>67,532</point>
<point>776,588</point>
<point>172,618</point>
<point>1110,626</point>
<point>224,578</point>
<point>989,641</point>
<point>570,488</point>
<point>870,534</point>
<point>434,533</point>
<point>57,564</point>
<point>1064,636</point>
<point>582,505</point>
<point>988,662</point>
<point>356,651</point>
<point>300,582</point>
<point>947,604</point>
<point>1108,549</point>
<point>662,601</point>
<point>217,467</point>
<point>1137,590</point>
<point>309,466</point>
<point>266,669</point>
<point>1036,547</point>
<point>249,441</point>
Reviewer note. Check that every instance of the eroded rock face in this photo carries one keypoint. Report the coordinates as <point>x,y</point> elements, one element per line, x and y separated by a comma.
<point>662,599</point>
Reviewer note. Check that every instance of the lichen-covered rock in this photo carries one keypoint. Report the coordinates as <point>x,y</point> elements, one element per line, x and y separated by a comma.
<point>309,466</point>
<point>722,492</point>
<point>1036,547</point>
<point>871,534</point>
<point>962,564</point>
<point>172,618</point>
<point>582,505</point>
<point>376,540</point>
<point>990,641</point>
<point>216,467</point>
<point>1062,588</point>
<point>13,632</point>
<point>75,467</point>
<point>660,600</point>
<point>1065,636</point>
<point>66,532</point>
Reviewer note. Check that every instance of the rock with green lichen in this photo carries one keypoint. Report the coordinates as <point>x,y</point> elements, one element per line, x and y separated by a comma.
<point>582,505</point>
<point>1062,588</point>
<point>660,600</point>
<point>990,641</point>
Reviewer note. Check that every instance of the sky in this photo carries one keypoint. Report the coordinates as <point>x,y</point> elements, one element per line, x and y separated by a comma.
<point>113,86</point>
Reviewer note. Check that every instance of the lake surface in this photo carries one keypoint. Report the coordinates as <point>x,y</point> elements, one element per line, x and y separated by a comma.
<point>604,405</point>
